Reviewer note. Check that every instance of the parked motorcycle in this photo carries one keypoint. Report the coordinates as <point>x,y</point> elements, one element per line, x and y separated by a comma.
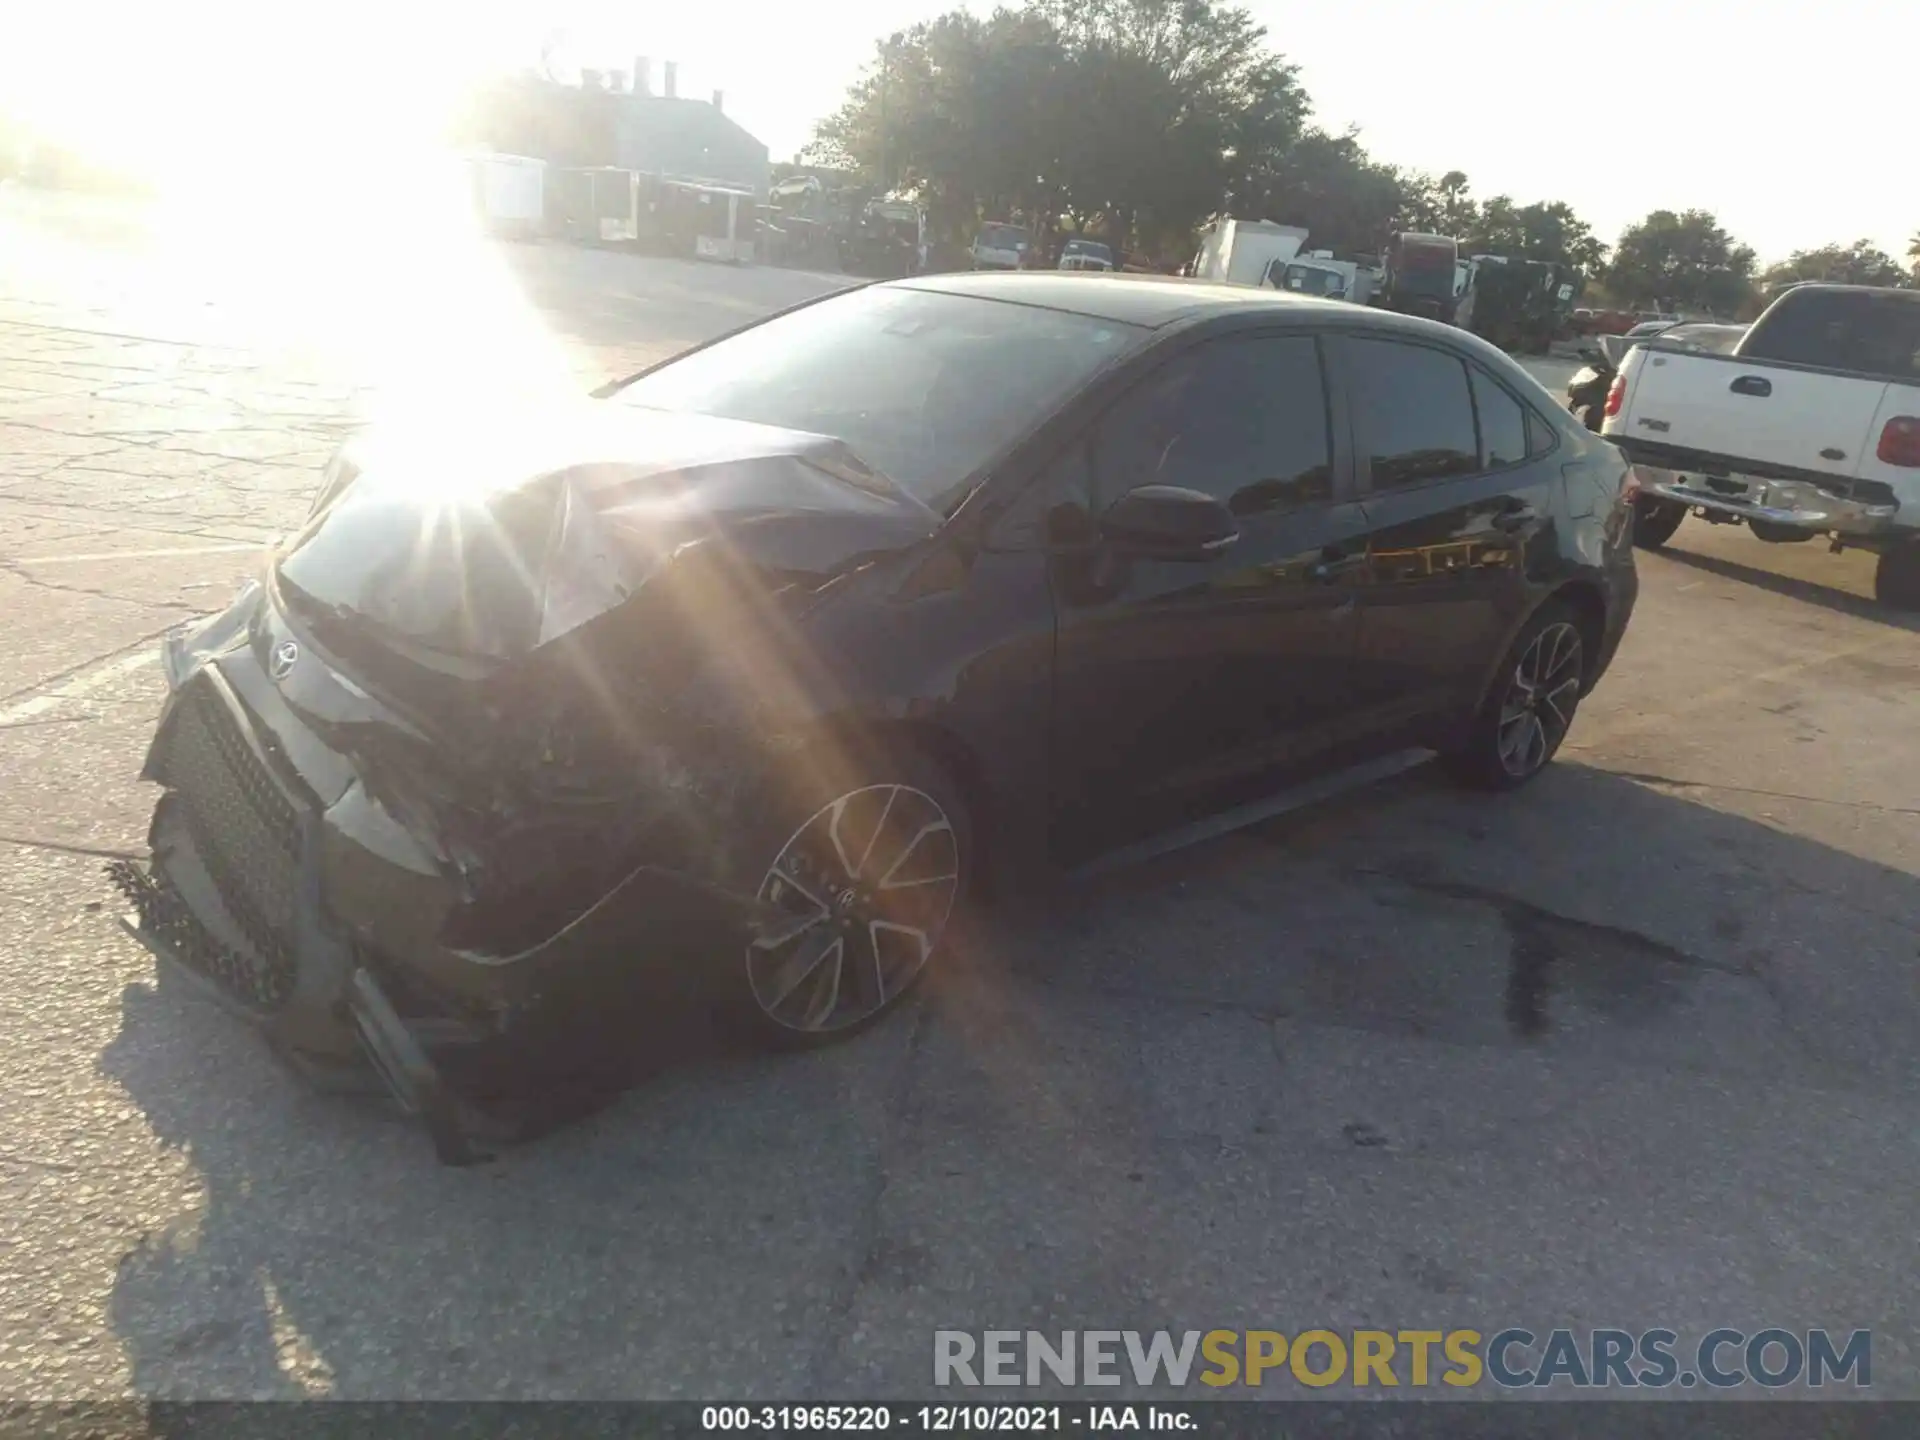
<point>1587,390</point>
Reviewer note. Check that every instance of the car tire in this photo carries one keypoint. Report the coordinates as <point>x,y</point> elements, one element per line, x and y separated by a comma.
<point>1775,534</point>
<point>1896,579</point>
<point>873,855</point>
<point>1530,705</point>
<point>1654,521</point>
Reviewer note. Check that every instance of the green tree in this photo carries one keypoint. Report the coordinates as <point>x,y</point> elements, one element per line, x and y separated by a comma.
<point>1545,230</point>
<point>1347,201</point>
<point>960,110</point>
<point>1857,264</point>
<point>1685,260</point>
<point>1131,115</point>
<point>1457,208</point>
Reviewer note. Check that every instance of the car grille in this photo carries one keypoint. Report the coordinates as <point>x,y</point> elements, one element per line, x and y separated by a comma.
<point>247,833</point>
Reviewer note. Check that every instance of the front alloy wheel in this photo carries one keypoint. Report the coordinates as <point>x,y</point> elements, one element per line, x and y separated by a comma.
<point>869,880</point>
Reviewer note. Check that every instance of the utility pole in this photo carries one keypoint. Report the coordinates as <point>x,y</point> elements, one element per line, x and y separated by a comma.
<point>885,166</point>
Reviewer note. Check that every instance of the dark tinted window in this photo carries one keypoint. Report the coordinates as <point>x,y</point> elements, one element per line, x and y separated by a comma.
<point>1539,435</point>
<point>1412,412</point>
<point>1871,332</point>
<point>1503,423</point>
<point>1244,420</point>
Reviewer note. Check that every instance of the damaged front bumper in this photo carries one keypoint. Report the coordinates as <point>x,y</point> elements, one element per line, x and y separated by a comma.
<point>281,888</point>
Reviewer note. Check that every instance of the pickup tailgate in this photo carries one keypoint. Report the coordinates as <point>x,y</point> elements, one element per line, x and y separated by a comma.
<point>1775,416</point>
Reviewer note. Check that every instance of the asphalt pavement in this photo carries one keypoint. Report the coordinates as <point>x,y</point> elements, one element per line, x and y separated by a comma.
<point>1635,1047</point>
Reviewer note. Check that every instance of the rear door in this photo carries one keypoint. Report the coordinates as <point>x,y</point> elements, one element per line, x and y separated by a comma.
<point>1457,481</point>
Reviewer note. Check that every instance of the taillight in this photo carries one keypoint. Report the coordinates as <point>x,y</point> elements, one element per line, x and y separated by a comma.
<point>1900,442</point>
<point>1616,393</point>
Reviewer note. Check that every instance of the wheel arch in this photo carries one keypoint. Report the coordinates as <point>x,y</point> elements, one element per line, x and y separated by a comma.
<point>1588,603</point>
<point>849,736</point>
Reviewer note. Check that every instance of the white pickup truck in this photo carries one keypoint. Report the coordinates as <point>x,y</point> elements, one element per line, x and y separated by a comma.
<point>1810,426</point>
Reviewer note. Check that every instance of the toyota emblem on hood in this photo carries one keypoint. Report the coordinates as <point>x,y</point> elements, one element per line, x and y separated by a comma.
<point>285,655</point>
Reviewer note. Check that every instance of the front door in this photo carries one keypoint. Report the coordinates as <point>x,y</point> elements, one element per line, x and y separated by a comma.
<point>1456,486</point>
<point>1180,685</point>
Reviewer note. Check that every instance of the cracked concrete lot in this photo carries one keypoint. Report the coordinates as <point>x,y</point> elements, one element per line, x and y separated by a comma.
<point>1636,1047</point>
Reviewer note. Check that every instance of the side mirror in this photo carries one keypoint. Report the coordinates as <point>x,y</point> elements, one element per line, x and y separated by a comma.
<point>1169,522</point>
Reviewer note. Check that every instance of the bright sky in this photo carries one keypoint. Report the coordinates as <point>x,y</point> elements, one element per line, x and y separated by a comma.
<point>1795,132</point>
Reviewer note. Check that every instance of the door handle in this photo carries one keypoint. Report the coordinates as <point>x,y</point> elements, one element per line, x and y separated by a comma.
<point>1757,386</point>
<point>1515,516</point>
<point>1335,562</point>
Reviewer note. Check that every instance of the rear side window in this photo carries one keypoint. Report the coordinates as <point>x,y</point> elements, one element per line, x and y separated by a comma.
<point>1865,331</point>
<point>1412,412</point>
<point>1539,435</point>
<point>1243,420</point>
<point>1503,422</point>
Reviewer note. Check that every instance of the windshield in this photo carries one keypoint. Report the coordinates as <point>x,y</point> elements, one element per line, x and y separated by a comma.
<point>1092,249</point>
<point>1714,339</point>
<point>1314,280</point>
<point>925,387</point>
<point>1001,237</point>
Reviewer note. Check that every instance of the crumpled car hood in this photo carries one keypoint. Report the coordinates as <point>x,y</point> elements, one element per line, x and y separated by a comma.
<point>487,540</point>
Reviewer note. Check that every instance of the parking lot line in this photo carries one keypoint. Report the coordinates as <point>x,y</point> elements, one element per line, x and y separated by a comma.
<point>231,548</point>
<point>80,686</point>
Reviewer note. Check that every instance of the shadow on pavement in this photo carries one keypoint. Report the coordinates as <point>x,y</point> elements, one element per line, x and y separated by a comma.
<point>1811,591</point>
<point>740,1225</point>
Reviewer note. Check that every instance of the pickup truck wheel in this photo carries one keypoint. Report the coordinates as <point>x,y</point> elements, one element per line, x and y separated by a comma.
<point>1896,580</point>
<point>1775,534</point>
<point>1529,707</point>
<point>1654,521</point>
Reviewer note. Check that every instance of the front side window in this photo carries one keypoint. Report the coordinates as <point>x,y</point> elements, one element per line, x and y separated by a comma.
<point>1412,412</point>
<point>1243,420</point>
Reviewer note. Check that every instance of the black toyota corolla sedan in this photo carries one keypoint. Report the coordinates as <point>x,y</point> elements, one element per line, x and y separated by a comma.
<point>726,686</point>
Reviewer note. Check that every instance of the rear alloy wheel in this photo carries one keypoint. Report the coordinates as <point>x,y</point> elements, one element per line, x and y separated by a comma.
<point>1530,708</point>
<point>870,880</point>
<point>1896,579</point>
<point>1655,520</point>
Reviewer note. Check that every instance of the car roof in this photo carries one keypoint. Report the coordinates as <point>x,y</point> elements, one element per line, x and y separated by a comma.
<point>1155,301</point>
